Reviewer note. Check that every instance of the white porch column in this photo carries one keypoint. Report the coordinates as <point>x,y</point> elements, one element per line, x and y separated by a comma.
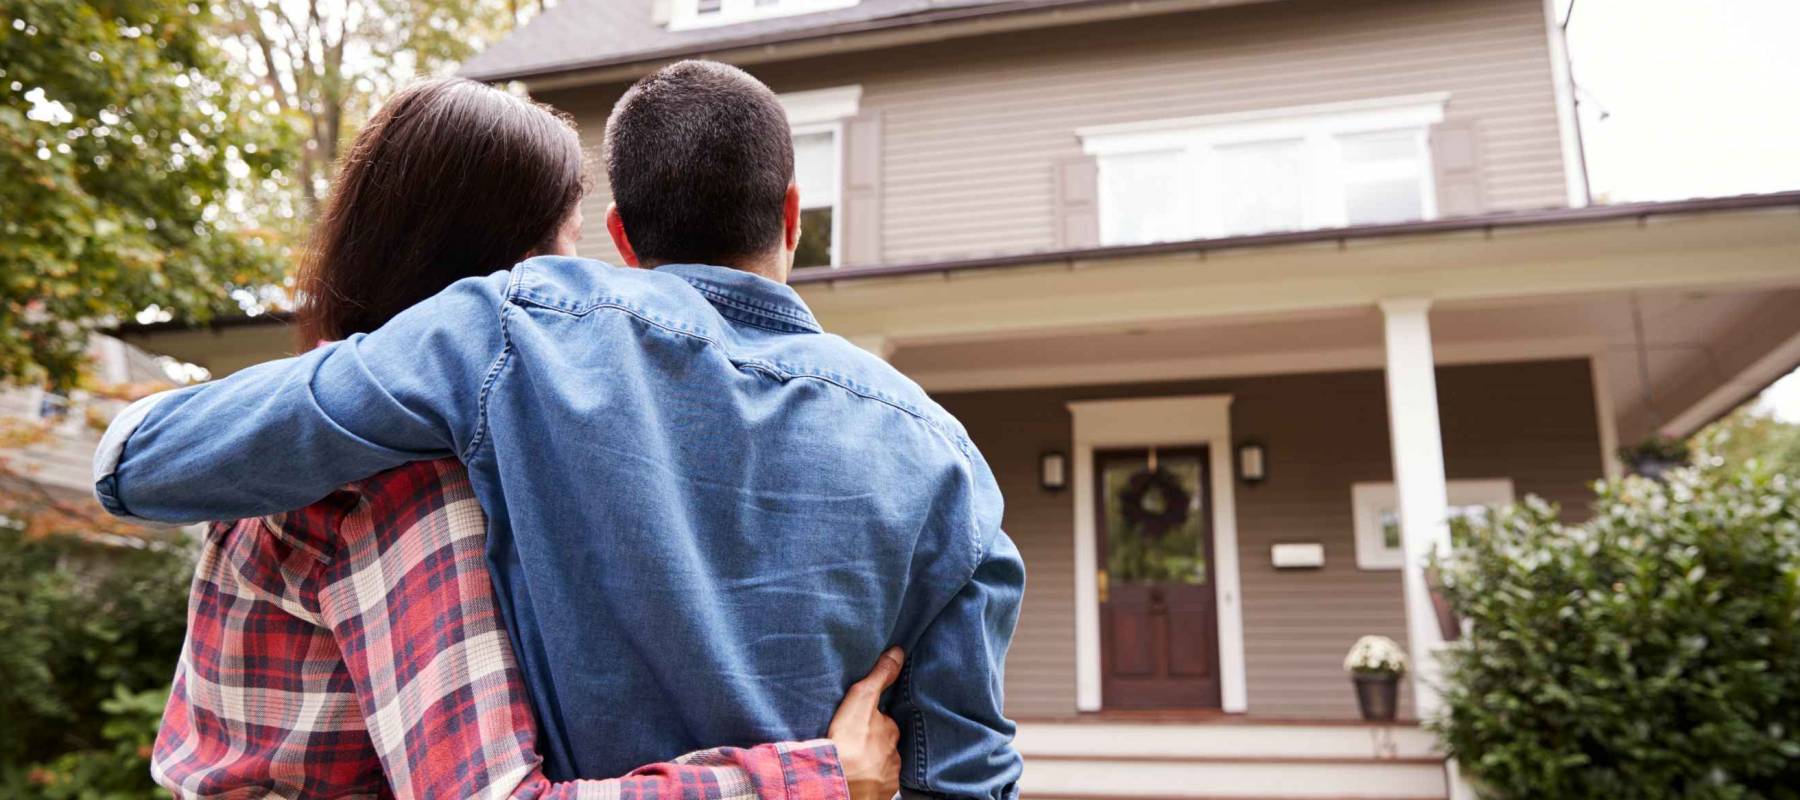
<point>1419,478</point>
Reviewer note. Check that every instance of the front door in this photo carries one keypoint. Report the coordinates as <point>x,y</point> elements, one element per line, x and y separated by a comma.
<point>1159,619</point>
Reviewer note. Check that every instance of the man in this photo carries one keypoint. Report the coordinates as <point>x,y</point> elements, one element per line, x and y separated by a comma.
<point>707,517</point>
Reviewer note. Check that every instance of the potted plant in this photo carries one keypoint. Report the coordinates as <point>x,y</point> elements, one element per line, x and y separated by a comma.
<point>1655,457</point>
<point>1375,664</point>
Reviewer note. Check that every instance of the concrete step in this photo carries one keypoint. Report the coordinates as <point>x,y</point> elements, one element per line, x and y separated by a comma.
<point>1208,779</point>
<point>1229,761</point>
<point>1094,739</point>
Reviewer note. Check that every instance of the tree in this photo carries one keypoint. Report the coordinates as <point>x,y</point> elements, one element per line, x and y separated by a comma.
<point>329,62</point>
<point>1753,433</point>
<point>127,149</point>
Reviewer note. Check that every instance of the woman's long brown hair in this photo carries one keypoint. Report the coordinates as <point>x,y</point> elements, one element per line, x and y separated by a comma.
<point>450,179</point>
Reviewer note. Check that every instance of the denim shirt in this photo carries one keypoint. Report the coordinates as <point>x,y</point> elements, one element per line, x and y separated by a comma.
<point>706,516</point>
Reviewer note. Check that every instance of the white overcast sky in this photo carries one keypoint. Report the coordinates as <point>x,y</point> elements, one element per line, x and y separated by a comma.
<point>1702,99</point>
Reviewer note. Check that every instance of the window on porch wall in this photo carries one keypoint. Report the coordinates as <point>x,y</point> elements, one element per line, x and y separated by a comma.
<point>1280,170</point>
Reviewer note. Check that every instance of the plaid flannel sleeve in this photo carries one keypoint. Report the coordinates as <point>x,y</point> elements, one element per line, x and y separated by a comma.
<point>353,649</point>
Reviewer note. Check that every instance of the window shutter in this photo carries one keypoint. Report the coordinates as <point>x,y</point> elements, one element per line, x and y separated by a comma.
<point>1077,202</point>
<point>1456,163</point>
<point>861,199</point>
<point>661,11</point>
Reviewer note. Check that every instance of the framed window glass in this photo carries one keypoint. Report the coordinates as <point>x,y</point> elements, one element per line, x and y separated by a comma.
<point>1384,176</point>
<point>1141,198</point>
<point>1261,187</point>
<point>816,175</point>
<point>1376,507</point>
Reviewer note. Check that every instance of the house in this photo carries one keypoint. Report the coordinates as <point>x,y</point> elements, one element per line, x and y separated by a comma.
<point>1242,300</point>
<point>47,442</point>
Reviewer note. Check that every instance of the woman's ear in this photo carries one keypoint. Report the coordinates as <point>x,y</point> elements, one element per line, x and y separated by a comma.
<point>615,225</point>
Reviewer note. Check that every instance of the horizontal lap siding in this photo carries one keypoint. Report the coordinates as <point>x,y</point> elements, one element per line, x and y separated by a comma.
<point>1531,422</point>
<point>972,128</point>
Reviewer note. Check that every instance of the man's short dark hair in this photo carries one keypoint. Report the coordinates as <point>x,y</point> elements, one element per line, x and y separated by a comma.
<point>700,157</point>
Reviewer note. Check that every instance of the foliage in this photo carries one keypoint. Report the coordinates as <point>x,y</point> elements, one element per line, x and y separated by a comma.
<point>328,63</point>
<point>1376,655</point>
<point>127,146</point>
<point>1753,434</point>
<point>93,633</point>
<point>1656,451</point>
<point>1651,652</point>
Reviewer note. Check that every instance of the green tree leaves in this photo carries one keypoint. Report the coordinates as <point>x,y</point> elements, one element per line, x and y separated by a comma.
<point>127,148</point>
<point>1652,652</point>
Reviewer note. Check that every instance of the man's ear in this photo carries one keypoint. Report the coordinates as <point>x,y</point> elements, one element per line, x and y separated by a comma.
<point>615,225</point>
<point>790,212</point>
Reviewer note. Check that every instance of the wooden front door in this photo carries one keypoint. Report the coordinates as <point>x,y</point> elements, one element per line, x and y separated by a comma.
<point>1158,611</point>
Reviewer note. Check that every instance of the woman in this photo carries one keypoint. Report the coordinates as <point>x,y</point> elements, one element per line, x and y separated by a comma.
<point>354,647</point>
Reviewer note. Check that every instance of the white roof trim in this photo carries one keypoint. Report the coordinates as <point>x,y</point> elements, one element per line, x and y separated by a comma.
<point>821,105</point>
<point>1372,113</point>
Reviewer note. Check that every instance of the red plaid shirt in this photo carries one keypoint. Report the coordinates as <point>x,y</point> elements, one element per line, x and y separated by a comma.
<point>353,649</point>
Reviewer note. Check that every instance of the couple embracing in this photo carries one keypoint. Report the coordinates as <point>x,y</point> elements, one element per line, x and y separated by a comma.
<point>569,529</point>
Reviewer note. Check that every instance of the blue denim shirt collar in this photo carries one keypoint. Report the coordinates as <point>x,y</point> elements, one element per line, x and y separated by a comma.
<point>748,298</point>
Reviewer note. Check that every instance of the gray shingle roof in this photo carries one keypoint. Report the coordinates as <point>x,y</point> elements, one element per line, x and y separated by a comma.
<point>578,33</point>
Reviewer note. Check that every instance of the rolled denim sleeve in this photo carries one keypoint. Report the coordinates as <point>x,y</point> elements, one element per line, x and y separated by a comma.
<point>283,434</point>
<point>955,740</point>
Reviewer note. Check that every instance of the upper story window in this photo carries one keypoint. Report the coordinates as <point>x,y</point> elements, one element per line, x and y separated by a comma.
<point>687,14</point>
<point>1358,163</point>
<point>817,118</point>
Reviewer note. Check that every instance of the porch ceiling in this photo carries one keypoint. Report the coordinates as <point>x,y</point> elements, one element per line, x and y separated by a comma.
<point>1719,250</point>
<point>1719,307</point>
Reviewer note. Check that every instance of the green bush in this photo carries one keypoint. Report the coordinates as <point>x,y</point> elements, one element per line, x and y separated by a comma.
<point>92,636</point>
<point>1651,652</point>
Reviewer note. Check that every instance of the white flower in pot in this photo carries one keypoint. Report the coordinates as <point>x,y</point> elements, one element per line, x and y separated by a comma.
<point>1375,664</point>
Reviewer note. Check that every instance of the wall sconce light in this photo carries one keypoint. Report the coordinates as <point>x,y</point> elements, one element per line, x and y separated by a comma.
<point>1253,463</point>
<point>1053,471</point>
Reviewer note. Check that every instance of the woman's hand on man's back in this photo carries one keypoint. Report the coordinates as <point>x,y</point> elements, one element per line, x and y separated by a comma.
<point>867,740</point>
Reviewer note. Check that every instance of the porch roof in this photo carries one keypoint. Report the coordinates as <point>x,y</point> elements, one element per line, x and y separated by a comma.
<point>1485,223</point>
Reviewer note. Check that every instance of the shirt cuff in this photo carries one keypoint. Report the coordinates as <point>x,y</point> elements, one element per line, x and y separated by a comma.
<point>812,771</point>
<point>112,450</point>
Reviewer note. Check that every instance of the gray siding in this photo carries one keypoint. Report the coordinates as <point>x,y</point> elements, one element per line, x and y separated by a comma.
<point>973,130</point>
<point>1531,422</point>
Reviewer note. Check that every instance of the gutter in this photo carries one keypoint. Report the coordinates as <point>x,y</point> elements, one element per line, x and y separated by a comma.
<point>904,29</point>
<point>1486,223</point>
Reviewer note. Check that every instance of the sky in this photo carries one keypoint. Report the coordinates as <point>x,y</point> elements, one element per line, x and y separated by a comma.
<point>1690,98</point>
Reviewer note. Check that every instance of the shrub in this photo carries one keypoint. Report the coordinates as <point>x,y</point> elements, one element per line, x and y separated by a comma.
<point>92,636</point>
<point>1651,652</point>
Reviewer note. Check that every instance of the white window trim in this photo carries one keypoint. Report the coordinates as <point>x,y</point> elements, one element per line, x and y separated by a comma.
<point>824,111</point>
<point>1195,140</point>
<point>1368,500</point>
<point>685,14</point>
<point>1157,422</point>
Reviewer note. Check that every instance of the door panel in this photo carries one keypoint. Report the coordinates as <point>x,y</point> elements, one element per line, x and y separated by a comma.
<point>1158,613</point>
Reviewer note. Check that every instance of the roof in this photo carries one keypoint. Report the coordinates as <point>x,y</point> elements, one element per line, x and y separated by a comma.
<point>578,35</point>
<point>1486,223</point>
<point>1479,223</point>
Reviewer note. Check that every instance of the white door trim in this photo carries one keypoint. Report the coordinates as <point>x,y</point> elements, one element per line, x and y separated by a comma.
<point>1145,422</point>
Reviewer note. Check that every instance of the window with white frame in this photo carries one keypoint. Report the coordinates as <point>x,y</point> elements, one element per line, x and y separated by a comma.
<point>817,118</point>
<point>1377,521</point>
<point>1357,163</point>
<point>686,14</point>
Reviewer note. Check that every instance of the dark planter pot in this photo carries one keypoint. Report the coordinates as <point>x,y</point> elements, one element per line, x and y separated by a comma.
<point>1378,696</point>
<point>1656,469</point>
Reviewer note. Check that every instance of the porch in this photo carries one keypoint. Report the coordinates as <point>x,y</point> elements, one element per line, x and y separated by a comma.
<point>1389,380</point>
<point>1232,756</point>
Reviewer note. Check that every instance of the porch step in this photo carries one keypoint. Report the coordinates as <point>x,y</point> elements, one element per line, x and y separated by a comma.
<point>1234,761</point>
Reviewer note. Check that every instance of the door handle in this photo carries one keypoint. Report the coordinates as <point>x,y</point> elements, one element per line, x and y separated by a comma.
<point>1101,582</point>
